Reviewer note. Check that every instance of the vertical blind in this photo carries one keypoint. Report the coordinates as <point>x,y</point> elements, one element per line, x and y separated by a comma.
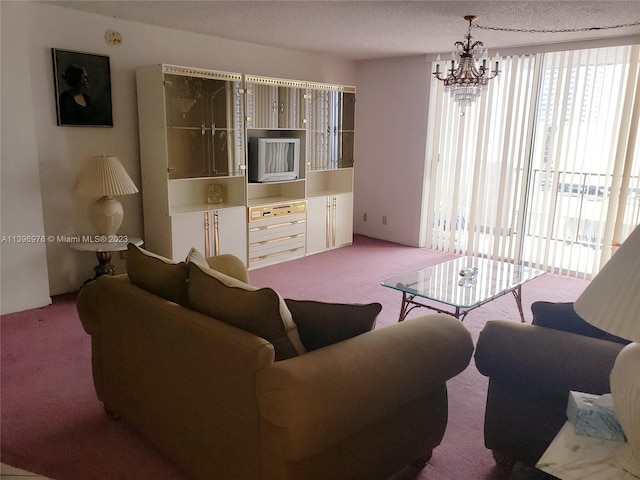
<point>543,169</point>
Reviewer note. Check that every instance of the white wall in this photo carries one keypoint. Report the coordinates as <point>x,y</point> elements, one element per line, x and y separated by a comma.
<point>391,122</point>
<point>62,150</point>
<point>24,281</point>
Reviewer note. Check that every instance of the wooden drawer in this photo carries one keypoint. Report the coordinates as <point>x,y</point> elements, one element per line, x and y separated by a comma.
<point>281,229</point>
<point>276,239</point>
<point>276,250</point>
<point>276,257</point>
<point>276,246</point>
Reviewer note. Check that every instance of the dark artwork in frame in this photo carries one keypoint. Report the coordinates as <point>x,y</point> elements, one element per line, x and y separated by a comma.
<point>82,89</point>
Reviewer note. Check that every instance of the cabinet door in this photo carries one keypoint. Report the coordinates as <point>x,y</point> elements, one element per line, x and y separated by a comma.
<point>343,215</point>
<point>331,128</point>
<point>276,104</point>
<point>232,231</point>
<point>226,230</point>
<point>220,127</point>
<point>292,107</point>
<point>187,141</point>
<point>347,129</point>
<point>329,222</point>
<point>318,217</point>
<point>319,130</point>
<point>262,105</point>
<point>187,230</point>
<point>204,122</point>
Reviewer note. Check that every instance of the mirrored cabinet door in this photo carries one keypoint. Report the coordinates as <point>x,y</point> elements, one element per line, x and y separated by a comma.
<point>186,140</point>
<point>292,107</point>
<point>347,129</point>
<point>331,126</point>
<point>226,127</point>
<point>204,126</point>
<point>319,128</point>
<point>262,105</point>
<point>275,103</point>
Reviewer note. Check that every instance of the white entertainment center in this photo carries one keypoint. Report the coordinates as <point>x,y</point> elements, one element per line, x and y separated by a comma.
<point>195,127</point>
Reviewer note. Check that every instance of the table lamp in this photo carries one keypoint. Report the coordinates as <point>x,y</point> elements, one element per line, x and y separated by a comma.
<point>105,177</point>
<point>611,302</point>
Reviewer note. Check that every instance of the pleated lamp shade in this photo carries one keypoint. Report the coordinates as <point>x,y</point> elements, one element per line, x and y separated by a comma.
<point>104,176</point>
<point>612,302</point>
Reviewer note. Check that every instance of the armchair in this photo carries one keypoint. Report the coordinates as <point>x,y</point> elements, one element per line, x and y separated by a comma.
<point>531,369</point>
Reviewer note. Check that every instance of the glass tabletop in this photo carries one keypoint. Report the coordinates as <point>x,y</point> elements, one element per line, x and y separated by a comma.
<point>445,284</point>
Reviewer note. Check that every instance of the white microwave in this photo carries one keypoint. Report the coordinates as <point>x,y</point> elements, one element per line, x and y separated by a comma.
<point>274,159</point>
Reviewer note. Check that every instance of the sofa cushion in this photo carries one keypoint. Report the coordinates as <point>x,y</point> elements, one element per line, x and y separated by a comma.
<point>321,324</point>
<point>157,274</point>
<point>261,311</point>
<point>562,316</point>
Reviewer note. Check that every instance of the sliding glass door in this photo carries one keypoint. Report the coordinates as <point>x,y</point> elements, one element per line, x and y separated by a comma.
<point>544,168</point>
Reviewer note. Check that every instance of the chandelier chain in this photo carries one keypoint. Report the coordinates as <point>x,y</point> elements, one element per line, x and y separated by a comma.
<point>549,30</point>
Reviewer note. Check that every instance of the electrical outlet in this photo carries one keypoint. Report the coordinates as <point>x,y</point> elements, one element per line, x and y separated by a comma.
<point>364,217</point>
<point>384,219</point>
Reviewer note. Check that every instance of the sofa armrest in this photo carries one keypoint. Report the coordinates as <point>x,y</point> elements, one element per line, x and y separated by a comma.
<point>310,402</point>
<point>548,360</point>
<point>229,265</point>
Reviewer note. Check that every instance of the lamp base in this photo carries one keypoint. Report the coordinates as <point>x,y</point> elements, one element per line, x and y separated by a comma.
<point>625,391</point>
<point>107,215</point>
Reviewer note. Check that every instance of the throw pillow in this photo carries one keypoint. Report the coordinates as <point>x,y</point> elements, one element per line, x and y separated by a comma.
<point>562,316</point>
<point>261,311</point>
<point>157,274</point>
<point>321,324</point>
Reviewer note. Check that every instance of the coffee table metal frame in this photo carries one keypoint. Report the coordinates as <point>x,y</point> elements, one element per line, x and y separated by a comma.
<point>440,283</point>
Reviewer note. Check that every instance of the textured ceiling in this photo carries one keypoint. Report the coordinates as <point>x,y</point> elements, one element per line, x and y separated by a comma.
<point>373,29</point>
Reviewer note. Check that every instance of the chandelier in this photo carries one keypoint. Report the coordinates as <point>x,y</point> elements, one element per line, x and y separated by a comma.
<point>466,81</point>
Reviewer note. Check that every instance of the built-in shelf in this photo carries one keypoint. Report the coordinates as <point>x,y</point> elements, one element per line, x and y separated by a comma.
<point>190,194</point>
<point>264,193</point>
<point>195,129</point>
<point>329,182</point>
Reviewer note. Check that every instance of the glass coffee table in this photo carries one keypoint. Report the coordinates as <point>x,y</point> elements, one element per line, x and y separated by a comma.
<point>445,283</point>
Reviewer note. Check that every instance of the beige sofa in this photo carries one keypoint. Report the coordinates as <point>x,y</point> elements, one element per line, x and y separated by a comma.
<point>214,399</point>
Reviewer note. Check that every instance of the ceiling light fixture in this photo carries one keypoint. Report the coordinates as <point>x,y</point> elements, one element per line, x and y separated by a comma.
<point>469,78</point>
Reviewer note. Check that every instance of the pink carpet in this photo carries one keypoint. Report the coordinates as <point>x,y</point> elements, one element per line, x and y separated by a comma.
<point>53,424</point>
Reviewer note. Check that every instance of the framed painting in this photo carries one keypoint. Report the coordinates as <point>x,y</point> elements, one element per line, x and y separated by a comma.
<point>82,89</point>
